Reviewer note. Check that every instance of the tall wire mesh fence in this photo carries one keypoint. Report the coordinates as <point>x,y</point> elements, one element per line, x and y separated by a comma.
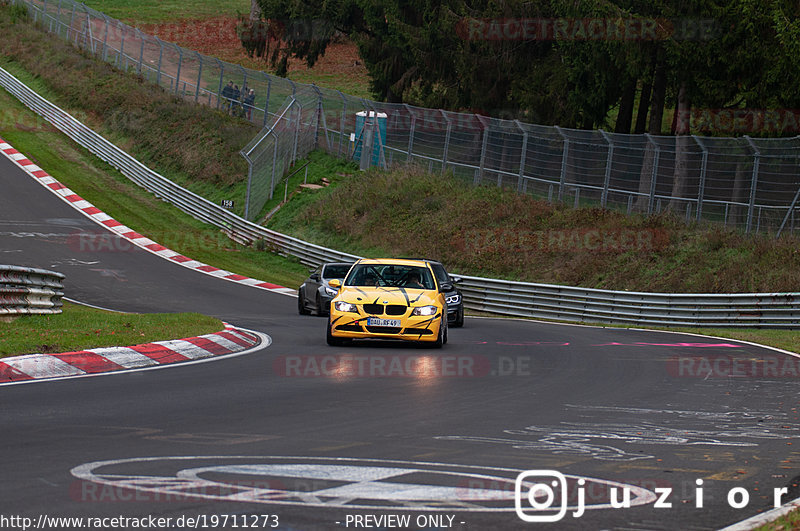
<point>748,183</point>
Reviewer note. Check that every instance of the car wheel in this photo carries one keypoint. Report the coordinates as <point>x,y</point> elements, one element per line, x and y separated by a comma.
<point>333,341</point>
<point>441,339</point>
<point>301,305</point>
<point>459,322</point>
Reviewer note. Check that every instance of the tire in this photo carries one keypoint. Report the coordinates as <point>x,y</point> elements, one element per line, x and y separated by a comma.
<point>459,322</point>
<point>441,339</point>
<point>301,305</point>
<point>333,341</point>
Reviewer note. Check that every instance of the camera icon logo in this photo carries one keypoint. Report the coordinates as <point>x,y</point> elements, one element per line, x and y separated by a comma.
<point>530,488</point>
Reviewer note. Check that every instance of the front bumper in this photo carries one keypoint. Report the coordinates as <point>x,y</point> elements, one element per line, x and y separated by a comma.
<point>412,328</point>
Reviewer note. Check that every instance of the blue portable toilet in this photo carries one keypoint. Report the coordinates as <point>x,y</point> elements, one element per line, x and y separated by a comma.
<point>359,140</point>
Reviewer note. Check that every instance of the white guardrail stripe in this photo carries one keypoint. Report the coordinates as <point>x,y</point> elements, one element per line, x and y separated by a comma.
<point>26,290</point>
<point>563,303</point>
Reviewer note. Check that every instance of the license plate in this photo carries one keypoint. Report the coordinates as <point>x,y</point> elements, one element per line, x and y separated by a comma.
<point>374,321</point>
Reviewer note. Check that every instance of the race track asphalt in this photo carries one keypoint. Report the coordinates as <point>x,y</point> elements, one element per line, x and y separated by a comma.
<point>316,436</point>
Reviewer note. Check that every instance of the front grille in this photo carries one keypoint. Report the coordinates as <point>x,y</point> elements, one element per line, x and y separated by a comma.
<point>383,329</point>
<point>396,309</point>
<point>350,328</point>
<point>419,331</point>
<point>373,309</point>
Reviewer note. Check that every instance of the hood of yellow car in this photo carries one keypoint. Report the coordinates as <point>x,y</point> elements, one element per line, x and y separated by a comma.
<point>387,295</point>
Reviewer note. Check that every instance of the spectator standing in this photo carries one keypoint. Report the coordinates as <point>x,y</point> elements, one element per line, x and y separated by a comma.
<point>249,101</point>
<point>227,95</point>
<point>237,94</point>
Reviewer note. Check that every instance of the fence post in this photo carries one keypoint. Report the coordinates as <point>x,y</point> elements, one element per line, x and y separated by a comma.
<point>411,133</point>
<point>199,76</point>
<point>160,58</point>
<point>446,141</point>
<point>274,164</point>
<point>484,143</point>
<point>296,131</point>
<point>58,17</point>
<point>121,55</point>
<point>564,156</point>
<point>221,83</point>
<point>178,73</point>
<point>319,115</point>
<point>71,21</point>
<point>269,93</point>
<point>609,161</point>
<point>754,182</point>
<point>342,122</point>
<point>105,40</point>
<point>141,51</point>
<point>522,156</point>
<point>654,173</point>
<point>703,167</point>
<point>249,185</point>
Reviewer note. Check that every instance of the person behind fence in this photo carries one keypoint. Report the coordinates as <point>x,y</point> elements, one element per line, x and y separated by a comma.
<point>249,101</point>
<point>237,94</point>
<point>227,94</point>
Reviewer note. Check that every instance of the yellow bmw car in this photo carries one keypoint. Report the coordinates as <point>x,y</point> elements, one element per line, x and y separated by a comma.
<point>389,299</point>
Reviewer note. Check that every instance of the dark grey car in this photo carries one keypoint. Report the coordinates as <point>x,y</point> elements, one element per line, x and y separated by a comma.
<point>455,302</point>
<point>315,294</point>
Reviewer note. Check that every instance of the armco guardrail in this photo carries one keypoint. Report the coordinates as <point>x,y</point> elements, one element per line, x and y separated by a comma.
<point>778,310</point>
<point>25,290</point>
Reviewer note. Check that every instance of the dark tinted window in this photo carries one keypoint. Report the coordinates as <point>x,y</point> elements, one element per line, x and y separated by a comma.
<point>441,274</point>
<point>336,271</point>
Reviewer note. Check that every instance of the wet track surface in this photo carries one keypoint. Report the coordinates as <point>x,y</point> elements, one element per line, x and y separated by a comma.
<point>317,436</point>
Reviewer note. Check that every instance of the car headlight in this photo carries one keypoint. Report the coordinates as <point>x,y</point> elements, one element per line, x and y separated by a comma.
<point>330,291</point>
<point>342,306</point>
<point>454,299</point>
<point>425,310</point>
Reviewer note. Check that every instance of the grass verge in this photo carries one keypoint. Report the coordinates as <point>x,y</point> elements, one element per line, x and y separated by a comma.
<point>79,327</point>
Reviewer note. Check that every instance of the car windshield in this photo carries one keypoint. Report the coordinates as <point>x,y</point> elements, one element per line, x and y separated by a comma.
<point>335,270</point>
<point>390,275</point>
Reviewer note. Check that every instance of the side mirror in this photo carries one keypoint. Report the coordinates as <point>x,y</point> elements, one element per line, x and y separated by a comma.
<point>455,280</point>
<point>335,283</point>
<point>314,277</point>
<point>445,286</point>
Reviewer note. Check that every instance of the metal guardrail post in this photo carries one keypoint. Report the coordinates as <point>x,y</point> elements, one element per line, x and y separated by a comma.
<point>654,174</point>
<point>523,155</point>
<point>297,130</point>
<point>199,77</point>
<point>411,133</point>
<point>71,21</point>
<point>105,40</point>
<point>342,125</point>
<point>141,51</point>
<point>446,141</point>
<point>178,73</point>
<point>702,185</point>
<point>121,56</point>
<point>564,157</point>
<point>753,184</point>
<point>484,145</point>
<point>221,82</point>
<point>609,161</point>
<point>269,94</point>
<point>160,58</point>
